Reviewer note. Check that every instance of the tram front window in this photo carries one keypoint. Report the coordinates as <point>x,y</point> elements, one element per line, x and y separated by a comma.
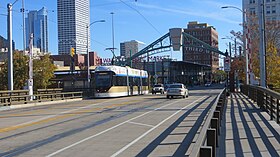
<point>103,80</point>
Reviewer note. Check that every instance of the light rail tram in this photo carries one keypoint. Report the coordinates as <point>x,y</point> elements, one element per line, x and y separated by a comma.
<point>117,81</point>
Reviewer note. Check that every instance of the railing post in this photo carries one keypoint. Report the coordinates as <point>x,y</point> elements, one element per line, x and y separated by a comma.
<point>211,140</point>
<point>271,108</point>
<point>205,151</point>
<point>266,102</point>
<point>277,115</point>
<point>215,125</point>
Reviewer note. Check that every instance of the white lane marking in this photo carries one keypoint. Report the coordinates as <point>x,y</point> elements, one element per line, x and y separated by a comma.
<point>141,124</point>
<point>140,137</point>
<point>100,133</point>
<point>51,116</point>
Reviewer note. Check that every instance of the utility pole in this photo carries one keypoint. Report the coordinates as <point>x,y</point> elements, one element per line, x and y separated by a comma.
<point>130,53</point>
<point>113,33</point>
<point>23,26</point>
<point>30,80</point>
<point>262,52</point>
<point>10,48</point>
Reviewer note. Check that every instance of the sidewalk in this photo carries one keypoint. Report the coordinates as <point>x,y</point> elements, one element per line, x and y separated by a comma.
<point>247,131</point>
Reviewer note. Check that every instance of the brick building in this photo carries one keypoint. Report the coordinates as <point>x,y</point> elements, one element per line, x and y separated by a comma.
<point>209,35</point>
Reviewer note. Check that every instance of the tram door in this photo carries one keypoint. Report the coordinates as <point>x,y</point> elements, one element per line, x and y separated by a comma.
<point>131,85</point>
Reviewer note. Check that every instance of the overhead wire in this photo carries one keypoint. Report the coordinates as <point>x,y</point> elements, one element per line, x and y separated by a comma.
<point>142,17</point>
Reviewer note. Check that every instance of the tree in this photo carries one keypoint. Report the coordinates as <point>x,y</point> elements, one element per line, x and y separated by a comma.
<point>272,49</point>
<point>219,75</point>
<point>20,71</point>
<point>43,71</point>
<point>273,65</point>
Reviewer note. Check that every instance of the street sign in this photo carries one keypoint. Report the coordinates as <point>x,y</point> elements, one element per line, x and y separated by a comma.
<point>227,64</point>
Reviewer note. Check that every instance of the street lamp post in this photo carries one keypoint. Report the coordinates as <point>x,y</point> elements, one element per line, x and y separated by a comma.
<point>88,65</point>
<point>243,38</point>
<point>113,36</point>
<point>10,48</point>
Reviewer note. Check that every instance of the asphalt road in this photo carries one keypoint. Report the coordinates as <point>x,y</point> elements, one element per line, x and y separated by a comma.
<point>147,125</point>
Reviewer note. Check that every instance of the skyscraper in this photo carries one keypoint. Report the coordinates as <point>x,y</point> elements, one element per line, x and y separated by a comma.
<point>36,23</point>
<point>73,17</point>
<point>132,46</point>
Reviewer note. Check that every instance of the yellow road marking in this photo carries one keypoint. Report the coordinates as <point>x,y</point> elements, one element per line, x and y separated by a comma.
<point>65,115</point>
<point>28,113</point>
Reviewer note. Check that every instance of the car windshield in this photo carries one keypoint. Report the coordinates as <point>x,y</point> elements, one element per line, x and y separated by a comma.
<point>158,85</point>
<point>175,86</point>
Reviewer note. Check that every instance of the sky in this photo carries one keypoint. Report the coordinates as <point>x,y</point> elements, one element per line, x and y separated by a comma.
<point>142,20</point>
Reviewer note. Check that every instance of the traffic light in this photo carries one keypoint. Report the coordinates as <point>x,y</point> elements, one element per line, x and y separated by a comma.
<point>226,53</point>
<point>72,52</point>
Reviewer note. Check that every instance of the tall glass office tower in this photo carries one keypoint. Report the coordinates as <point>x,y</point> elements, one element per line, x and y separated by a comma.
<point>73,17</point>
<point>36,23</point>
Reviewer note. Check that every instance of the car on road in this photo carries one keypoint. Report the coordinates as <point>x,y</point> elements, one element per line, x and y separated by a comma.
<point>177,89</point>
<point>158,88</point>
<point>207,84</point>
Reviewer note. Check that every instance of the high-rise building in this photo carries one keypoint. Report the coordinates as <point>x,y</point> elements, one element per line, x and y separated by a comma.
<point>272,8</point>
<point>73,17</point>
<point>209,35</point>
<point>132,47</point>
<point>36,23</point>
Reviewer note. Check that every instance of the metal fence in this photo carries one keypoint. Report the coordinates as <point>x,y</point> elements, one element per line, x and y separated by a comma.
<point>268,100</point>
<point>207,141</point>
<point>8,98</point>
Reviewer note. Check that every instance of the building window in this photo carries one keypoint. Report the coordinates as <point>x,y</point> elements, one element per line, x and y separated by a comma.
<point>252,11</point>
<point>252,1</point>
<point>268,9</point>
<point>273,9</point>
<point>267,0</point>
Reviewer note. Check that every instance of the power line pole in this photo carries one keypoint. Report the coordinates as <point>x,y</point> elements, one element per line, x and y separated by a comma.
<point>30,80</point>
<point>10,48</point>
<point>23,26</point>
<point>262,44</point>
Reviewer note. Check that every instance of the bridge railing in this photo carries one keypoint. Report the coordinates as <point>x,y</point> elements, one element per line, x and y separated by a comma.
<point>268,100</point>
<point>207,141</point>
<point>49,90</point>
<point>22,97</point>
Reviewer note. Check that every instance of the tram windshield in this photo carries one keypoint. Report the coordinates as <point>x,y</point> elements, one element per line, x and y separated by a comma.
<point>103,79</point>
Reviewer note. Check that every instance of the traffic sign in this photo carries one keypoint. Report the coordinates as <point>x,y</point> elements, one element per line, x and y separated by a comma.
<point>227,64</point>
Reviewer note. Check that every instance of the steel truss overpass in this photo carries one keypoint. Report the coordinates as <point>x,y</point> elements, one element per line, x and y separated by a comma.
<point>175,39</point>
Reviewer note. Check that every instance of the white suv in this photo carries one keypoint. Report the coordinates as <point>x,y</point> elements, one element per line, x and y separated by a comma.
<point>158,88</point>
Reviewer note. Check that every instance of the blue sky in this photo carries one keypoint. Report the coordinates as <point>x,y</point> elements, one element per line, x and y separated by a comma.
<point>129,24</point>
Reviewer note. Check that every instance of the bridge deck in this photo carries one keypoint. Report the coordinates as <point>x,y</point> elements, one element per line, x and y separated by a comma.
<point>247,131</point>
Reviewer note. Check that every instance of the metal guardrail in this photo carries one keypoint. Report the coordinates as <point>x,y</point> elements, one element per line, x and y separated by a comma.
<point>268,100</point>
<point>13,93</point>
<point>207,141</point>
<point>24,99</point>
<point>49,90</point>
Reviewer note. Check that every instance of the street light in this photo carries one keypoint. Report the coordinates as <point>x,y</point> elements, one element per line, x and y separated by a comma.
<point>243,38</point>
<point>88,65</point>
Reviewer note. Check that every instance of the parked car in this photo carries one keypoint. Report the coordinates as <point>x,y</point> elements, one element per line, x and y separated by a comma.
<point>177,89</point>
<point>207,84</point>
<point>158,88</point>
<point>166,86</point>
